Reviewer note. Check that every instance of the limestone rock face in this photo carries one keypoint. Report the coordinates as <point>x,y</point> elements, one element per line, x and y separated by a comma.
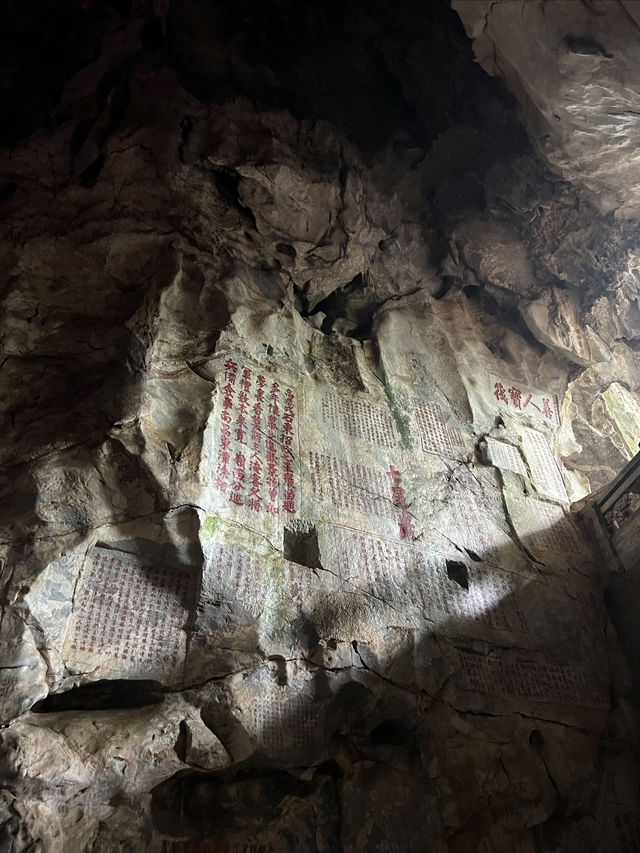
<point>571,67</point>
<point>306,355</point>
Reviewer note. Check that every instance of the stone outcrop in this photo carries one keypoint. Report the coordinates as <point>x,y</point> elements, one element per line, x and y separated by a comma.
<point>307,354</point>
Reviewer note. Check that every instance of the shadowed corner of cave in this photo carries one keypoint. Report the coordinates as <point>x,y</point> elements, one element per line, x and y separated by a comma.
<point>98,426</point>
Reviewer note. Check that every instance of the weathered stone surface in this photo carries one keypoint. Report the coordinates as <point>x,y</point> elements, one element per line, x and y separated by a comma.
<point>298,388</point>
<point>570,68</point>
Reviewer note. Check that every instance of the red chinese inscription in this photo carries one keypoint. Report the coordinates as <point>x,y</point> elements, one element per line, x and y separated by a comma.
<point>255,449</point>
<point>130,612</point>
<point>515,395</point>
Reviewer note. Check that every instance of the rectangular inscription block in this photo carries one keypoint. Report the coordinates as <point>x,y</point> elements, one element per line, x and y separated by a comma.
<point>516,399</point>
<point>128,616</point>
<point>544,528</point>
<point>261,584</point>
<point>350,486</point>
<point>505,456</point>
<point>359,419</point>
<point>415,582</point>
<point>542,682</point>
<point>545,474</point>
<point>435,435</point>
<point>254,461</point>
<point>287,724</point>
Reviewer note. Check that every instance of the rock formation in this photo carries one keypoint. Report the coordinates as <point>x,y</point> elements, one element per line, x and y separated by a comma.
<point>313,331</point>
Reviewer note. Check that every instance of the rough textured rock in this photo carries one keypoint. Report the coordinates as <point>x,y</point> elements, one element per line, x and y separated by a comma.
<point>571,67</point>
<point>307,353</point>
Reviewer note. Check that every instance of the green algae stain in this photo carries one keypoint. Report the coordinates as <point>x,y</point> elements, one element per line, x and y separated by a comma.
<point>400,419</point>
<point>209,528</point>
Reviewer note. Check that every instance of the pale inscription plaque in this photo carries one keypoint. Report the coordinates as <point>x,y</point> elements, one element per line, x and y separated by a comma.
<point>436,436</point>
<point>505,456</point>
<point>359,419</point>
<point>253,466</point>
<point>545,474</point>
<point>128,616</point>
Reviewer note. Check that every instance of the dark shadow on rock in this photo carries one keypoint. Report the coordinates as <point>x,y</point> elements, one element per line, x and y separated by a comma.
<point>103,695</point>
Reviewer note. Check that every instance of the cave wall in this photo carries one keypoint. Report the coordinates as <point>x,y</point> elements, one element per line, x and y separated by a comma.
<point>308,349</point>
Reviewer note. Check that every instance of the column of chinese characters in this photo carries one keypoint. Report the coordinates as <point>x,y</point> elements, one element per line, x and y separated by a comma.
<point>272,454</point>
<point>515,394</point>
<point>224,450</point>
<point>240,431</point>
<point>255,456</point>
<point>407,530</point>
<point>286,440</point>
<point>255,463</point>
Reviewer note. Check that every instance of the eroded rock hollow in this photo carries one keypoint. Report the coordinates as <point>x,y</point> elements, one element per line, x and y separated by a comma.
<point>317,320</point>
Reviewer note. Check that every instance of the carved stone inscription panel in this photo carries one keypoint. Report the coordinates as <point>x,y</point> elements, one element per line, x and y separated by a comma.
<point>416,579</point>
<point>253,466</point>
<point>359,420</point>
<point>505,456</point>
<point>128,617</point>
<point>436,436</point>
<point>544,469</point>
<point>235,574</point>
<point>542,682</point>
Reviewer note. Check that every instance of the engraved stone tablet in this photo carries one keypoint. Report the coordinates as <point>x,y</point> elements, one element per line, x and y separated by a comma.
<point>262,584</point>
<point>435,435</point>
<point>415,582</point>
<point>360,420</point>
<point>541,682</point>
<point>544,529</point>
<point>543,467</point>
<point>128,617</point>
<point>505,456</point>
<point>286,722</point>
<point>516,399</point>
<point>253,462</point>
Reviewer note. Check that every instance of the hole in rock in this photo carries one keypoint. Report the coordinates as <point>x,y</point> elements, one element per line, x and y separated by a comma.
<point>392,732</point>
<point>102,695</point>
<point>301,544</point>
<point>89,176</point>
<point>349,310</point>
<point>151,36</point>
<point>307,633</point>
<point>458,572</point>
<point>280,669</point>
<point>536,739</point>
<point>330,768</point>
<point>183,741</point>
<point>286,249</point>
<point>227,182</point>
<point>7,189</point>
<point>586,46</point>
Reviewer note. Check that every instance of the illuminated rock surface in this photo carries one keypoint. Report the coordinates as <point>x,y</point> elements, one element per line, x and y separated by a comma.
<point>307,353</point>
